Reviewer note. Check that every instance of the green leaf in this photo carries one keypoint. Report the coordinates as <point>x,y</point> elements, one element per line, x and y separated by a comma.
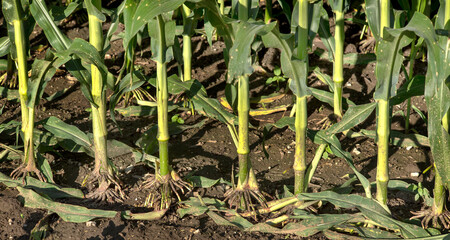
<point>370,208</point>
<point>41,72</point>
<point>5,45</point>
<point>321,137</point>
<point>293,68</point>
<point>63,130</point>
<point>327,97</point>
<point>94,11</point>
<point>437,92</point>
<point>397,138</point>
<point>13,10</point>
<point>390,57</point>
<point>240,60</point>
<point>61,42</point>
<point>325,78</point>
<point>146,11</point>
<point>68,212</point>
<point>222,24</point>
<point>352,117</point>
<point>48,189</point>
<point>415,87</point>
<point>373,17</point>
<point>10,94</point>
<point>325,34</point>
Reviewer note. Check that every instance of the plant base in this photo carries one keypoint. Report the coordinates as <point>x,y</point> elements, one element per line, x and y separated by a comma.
<point>24,169</point>
<point>161,187</point>
<point>104,192</point>
<point>243,198</point>
<point>428,215</point>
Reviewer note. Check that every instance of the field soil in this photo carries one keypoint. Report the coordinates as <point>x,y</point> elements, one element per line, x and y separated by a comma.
<point>209,150</point>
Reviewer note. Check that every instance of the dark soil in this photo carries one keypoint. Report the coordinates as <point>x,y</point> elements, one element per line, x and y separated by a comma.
<point>208,151</point>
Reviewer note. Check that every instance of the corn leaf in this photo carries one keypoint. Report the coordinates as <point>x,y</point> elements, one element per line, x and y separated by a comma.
<point>146,11</point>
<point>327,97</point>
<point>370,209</point>
<point>5,45</point>
<point>320,137</point>
<point>61,42</point>
<point>63,130</point>
<point>352,117</point>
<point>49,189</point>
<point>68,212</point>
<point>240,61</point>
<point>437,92</point>
<point>292,67</point>
<point>389,60</point>
<point>154,215</point>
<point>414,87</point>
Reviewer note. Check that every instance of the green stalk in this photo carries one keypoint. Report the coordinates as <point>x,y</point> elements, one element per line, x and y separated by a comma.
<point>439,195</point>
<point>162,101</point>
<point>27,112</point>
<point>383,125</point>
<point>301,114</point>
<point>268,11</point>
<point>338,70</point>
<point>222,6</point>
<point>243,146</point>
<point>187,48</point>
<point>99,108</point>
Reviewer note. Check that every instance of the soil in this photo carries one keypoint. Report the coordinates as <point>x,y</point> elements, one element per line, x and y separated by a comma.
<point>208,151</point>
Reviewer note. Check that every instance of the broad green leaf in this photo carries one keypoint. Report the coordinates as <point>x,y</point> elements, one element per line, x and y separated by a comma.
<point>61,42</point>
<point>415,87</point>
<point>352,117</point>
<point>373,17</point>
<point>13,10</point>
<point>359,59</point>
<point>91,9</point>
<point>68,212</point>
<point>5,45</point>
<point>147,10</point>
<point>44,166</point>
<point>292,67</point>
<point>321,137</point>
<point>204,182</point>
<point>87,53</point>
<point>397,138</point>
<point>327,97</point>
<point>3,64</point>
<point>311,226</point>
<point>370,208</point>
<point>63,130</point>
<point>38,80</point>
<point>10,94</point>
<point>49,189</point>
<point>240,60</point>
<point>325,78</point>
<point>222,24</point>
<point>389,61</point>
<point>437,92</point>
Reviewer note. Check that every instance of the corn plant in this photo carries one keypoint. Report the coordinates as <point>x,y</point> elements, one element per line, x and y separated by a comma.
<point>14,14</point>
<point>437,96</point>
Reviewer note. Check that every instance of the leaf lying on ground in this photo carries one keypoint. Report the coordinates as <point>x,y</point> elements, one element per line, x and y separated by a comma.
<point>51,190</point>
<point>370,208</point>
<point>204,182</point>
<point>153,215</point>
<point>68,212</point>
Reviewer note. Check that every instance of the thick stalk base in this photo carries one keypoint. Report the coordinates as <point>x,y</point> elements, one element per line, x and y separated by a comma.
<point>161,189</point>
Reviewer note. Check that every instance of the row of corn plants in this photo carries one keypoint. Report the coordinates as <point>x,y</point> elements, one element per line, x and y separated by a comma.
<point>245,31</point>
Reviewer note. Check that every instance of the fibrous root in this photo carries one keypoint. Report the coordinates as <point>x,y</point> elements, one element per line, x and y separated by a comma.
<point>166,184</point>
<point>23,170</point>
<point>428,215</point>
<point>104,192</point>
